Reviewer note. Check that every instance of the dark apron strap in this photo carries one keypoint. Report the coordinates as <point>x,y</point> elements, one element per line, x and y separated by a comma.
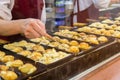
<point>81,15</point>
<point>73,14</point>
<point>93,12</point>
<point>90,12</point>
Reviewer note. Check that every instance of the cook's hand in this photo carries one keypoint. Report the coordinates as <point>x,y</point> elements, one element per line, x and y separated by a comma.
<point>33,28</point>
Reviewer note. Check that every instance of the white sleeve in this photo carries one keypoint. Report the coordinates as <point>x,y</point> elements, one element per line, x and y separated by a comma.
<point>101,3</point>
<point>43,15</point>
<point>5,9</point>
<point>84,4</point>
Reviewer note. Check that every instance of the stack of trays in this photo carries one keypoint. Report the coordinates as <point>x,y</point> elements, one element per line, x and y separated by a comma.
<point>83,41</point>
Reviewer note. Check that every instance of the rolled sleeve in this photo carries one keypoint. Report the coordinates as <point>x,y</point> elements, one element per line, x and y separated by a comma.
<point>5,9</point>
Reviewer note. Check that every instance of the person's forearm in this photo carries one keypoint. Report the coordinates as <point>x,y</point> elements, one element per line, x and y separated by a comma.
<point>30,28</point>
<point>9,27</point>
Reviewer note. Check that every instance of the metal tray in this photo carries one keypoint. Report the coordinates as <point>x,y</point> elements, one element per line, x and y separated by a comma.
<point>98,34</point>
<point>47,46</point>
<point>94,46</point>
<point>40,67</point>
<point>58,62</point>
<point>61,61</point>
<point>51,65</point>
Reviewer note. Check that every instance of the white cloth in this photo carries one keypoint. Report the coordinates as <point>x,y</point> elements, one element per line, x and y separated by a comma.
<point>84,4</point>
<point>100,4</point>
<point>6,7</point>
<point>43,15</point>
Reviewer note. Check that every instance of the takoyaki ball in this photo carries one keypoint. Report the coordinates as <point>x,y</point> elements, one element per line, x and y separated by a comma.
<point>116,34</point>
<point>97,32</point>
<point>47,50</point>
<point>102,30</point>
<point>62,54</point>
<point>92,39</point>
<point>79,24</point>
<point>2,54</point>
<point>29,46</point>
<point>7,58</point>
<point>3,68</point>
<point>74,49</point>
<point>117,22</point>
<point>92,36</point>
<point>117,28</point>
<point>108,21</point>
<point>17,49</point>
<point>80,29</point>
<point>44,42</point>
<point>107,33</point>
<point>25,53</point>
<point>86,29</point>
<point>46,60</point>
<point>3,41</point>
<point>22,43</point>
<point>58,33</point>
<point>35,56</point>
<point>27,68</point>
<point>72,33</point>
<point>15,63</point>
<point>84,46</point>
<point>64,41</point>
<point>117,18</point>
<point>102,39</point>
<point>108,27</point>
<point>56,38</point>
<point>37,40</point>
<point>8,75</point>
<point>74,43</point>
<point>9,46</point>
<point>93,29</point>
<point>95,24</point>
<point>77,38</point>
<point>51,53</point>
<point>63,46</point>
<point>82,34</point>
<point>114,26</point>
<point>111,31</point>
<point>38,48</point>
<point>54,44</point>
